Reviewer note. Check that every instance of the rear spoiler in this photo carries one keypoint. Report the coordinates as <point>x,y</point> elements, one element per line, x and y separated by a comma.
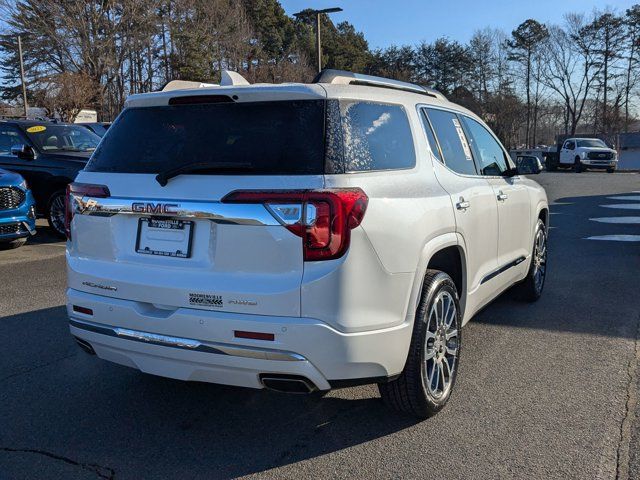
<point>228,78</point>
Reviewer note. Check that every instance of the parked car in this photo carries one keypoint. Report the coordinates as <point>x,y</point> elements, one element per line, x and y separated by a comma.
<point>17,211</point>
<point>583,153</point>
<point>299,237</point>
<point>528,164</point>
<point>99,128</point>
<point>48,155</point>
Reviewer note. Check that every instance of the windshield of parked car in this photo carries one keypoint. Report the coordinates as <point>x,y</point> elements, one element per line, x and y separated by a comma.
<point>250,138</point>
<point>62,138</point>
<point>592,143</point>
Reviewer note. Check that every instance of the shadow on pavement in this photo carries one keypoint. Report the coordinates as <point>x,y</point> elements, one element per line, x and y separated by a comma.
<point>44,235</point>
<point>164,426</point>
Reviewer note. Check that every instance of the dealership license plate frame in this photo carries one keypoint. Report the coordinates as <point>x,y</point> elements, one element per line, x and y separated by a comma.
<point>166,224</point>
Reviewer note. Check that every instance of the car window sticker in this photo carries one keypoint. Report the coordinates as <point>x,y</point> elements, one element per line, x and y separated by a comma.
<point>463,139</point>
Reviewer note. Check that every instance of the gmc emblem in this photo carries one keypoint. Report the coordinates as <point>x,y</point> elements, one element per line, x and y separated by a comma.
<point>154,208</point>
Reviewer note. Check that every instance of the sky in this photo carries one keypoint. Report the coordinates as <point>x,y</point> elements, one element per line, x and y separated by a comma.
<point>402,22</point>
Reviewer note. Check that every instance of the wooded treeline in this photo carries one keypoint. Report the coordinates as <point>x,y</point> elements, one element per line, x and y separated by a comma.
<point>529,85</point>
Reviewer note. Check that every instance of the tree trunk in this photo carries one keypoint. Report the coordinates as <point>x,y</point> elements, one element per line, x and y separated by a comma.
<point>528,97</point>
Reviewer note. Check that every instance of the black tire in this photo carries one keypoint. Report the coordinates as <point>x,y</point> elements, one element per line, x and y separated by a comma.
<point>611,170</point>
<point>409,392</point>
<point>551,163</point>
<point>577,165</point>
<point>56,201</point>
<point>530,289</point>
<point>18,242</point>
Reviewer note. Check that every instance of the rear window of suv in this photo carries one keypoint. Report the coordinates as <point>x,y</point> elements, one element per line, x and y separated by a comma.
<point>259,138</point>
<point>274,138</point>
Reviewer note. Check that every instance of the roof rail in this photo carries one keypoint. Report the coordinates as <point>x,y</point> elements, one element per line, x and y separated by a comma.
<point>343,77</point>
<point>228,78</point>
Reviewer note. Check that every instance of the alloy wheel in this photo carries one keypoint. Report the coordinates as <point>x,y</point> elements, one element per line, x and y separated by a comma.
<point>441,346</point>
<point>57,213</point>
<point>540,260</point>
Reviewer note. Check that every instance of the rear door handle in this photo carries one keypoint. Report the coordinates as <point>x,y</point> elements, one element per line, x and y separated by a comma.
<point>462,204</point>
<point>502,196</point>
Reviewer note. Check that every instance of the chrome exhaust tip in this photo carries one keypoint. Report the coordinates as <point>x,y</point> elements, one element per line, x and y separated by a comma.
<point>287,383</point>
<point>84,345</point>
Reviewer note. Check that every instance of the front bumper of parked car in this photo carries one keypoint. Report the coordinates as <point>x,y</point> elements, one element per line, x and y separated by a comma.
<point>599,163</point>
<point>18,222</point>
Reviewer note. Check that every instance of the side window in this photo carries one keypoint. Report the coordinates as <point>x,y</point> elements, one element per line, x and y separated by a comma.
<point>570,145</point>
<point>376,137</point>
<point>9,137</point>
<point>453,141</point>
<point>433,143</point>
<point>490,155</point>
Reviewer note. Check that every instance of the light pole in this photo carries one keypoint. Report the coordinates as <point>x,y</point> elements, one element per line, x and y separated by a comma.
<point>317,13</point>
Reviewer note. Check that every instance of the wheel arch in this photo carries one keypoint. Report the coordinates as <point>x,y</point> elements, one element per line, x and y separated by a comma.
<point>445,253</point>
<point>543,214</point>
<point>54,184</point>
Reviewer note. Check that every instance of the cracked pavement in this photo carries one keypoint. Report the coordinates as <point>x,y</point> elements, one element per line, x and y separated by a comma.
<point>548,390</point>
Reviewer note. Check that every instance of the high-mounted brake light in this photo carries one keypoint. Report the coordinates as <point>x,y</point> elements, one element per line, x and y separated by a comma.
<point>322,218</point>
<point>80,190</point>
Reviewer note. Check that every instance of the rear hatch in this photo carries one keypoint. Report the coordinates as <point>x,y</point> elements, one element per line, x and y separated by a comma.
<point>170,241</point>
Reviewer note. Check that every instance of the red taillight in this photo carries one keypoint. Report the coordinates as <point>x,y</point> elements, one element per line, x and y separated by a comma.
<point>324,220</point>
<point>80,190</point>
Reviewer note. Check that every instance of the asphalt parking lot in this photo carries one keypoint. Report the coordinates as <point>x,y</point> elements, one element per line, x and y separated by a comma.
<point>546,390</point>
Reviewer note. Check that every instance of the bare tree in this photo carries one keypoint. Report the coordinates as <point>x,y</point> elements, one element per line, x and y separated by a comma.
<point>64,94</point>
<point>632,20</point>
<point>570,67</point>
<point>524,44</point>
<point>607,31</point>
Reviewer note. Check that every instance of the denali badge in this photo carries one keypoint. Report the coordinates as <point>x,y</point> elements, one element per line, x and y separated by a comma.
<point>101,287</point>
<point>148,207</point>
<point>205,300</point>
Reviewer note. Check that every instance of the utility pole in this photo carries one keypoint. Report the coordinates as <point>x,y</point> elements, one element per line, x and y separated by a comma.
<point>24,87</point>
<point>317,13</point>
<point>318,42</point>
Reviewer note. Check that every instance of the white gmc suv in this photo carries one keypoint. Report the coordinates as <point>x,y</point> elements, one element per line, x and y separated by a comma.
<point>298,237</point>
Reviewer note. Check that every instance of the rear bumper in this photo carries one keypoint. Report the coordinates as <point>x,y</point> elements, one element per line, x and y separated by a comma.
<point>189,344</point>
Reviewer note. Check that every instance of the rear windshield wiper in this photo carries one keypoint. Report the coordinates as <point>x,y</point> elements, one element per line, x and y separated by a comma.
<point>163,177</point>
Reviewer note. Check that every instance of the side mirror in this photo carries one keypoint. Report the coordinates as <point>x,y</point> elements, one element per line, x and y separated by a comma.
<point>528,165</point>
<point>24,152</point>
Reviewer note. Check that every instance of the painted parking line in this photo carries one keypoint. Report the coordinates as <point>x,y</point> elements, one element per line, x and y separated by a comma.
<point>616,238</point>
<point>624,206</point>
<point>627,197</point>
<point>624,220</point>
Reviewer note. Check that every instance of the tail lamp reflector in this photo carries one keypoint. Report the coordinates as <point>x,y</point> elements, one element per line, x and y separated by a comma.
<point>254,335</point>
<point>83,310</point>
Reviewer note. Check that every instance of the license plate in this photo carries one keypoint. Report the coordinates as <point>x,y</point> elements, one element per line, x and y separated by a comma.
<point>166,237</point>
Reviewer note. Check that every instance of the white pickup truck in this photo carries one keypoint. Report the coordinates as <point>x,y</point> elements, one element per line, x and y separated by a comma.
<point>583,153</point>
